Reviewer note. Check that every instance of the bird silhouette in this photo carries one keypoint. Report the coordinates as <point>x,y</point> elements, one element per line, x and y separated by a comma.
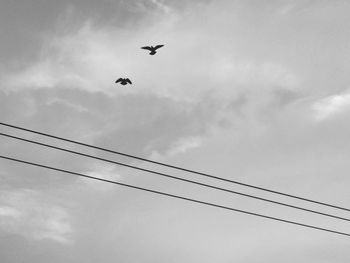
<point>152,49</point>
<point>123,81</point>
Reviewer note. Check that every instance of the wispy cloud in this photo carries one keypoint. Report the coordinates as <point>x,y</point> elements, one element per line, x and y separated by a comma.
<point>198,80</point>
<point>162,6</point>
<point>233,83</point>
<point>25,213</point>
<point>102,171</point>
<point>332,105</point>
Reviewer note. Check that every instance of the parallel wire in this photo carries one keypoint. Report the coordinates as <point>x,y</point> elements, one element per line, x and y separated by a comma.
<point>177,167</point>
<point>174,177</point>
<point>176,196</point>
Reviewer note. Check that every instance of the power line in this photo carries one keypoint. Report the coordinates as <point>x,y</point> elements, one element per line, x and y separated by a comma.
<point>174,177</point>
<point>176,196</point>
<point>176,167</point>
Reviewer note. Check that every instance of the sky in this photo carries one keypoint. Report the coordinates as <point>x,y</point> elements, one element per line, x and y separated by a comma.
<point>253,91</point>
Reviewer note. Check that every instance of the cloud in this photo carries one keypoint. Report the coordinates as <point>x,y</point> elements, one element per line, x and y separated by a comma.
<point>91,57</point>
<point>198,80</point>
<point>248,73</point>
<point>102,171</point>
<point>23,212</point>
<point>230,82</point>
<point>185,144</point>
<point>193,86</point>
<point>332,105</point>
<point>162,6</point>
<point>10,212</point>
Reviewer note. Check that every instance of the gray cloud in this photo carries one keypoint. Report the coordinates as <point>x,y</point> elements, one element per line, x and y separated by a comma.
<point>22,213</point>
<point>236,91</point>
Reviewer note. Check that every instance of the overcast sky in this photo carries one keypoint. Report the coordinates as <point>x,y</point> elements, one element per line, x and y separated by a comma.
<point>254,91</point>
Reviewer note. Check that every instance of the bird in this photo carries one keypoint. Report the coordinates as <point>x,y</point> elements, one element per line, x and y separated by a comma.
<point>123,81</point>
<point>152,49</point>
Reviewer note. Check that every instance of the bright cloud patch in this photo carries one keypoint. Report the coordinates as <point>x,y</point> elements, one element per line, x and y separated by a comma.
<point>183,145</point>
<point>10,212</point>
<point>253,73</point>
<point>107,172</point>
<point>162,6</point>
<point>327,107</point>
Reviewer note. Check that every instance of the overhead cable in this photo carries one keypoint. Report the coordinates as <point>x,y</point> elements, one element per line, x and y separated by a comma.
<point>176,196</point>
<point>175,167</point>
<point>174,177</point>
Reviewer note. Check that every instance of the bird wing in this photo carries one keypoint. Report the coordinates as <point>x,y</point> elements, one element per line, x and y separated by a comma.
<point>129,81</point>
<point>158,46</point>
<point>148,48</point>
<point>119,80</point>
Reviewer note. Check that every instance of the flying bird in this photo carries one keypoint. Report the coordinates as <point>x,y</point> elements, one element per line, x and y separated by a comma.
<point>123,81</point>
<point>152,49</point>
